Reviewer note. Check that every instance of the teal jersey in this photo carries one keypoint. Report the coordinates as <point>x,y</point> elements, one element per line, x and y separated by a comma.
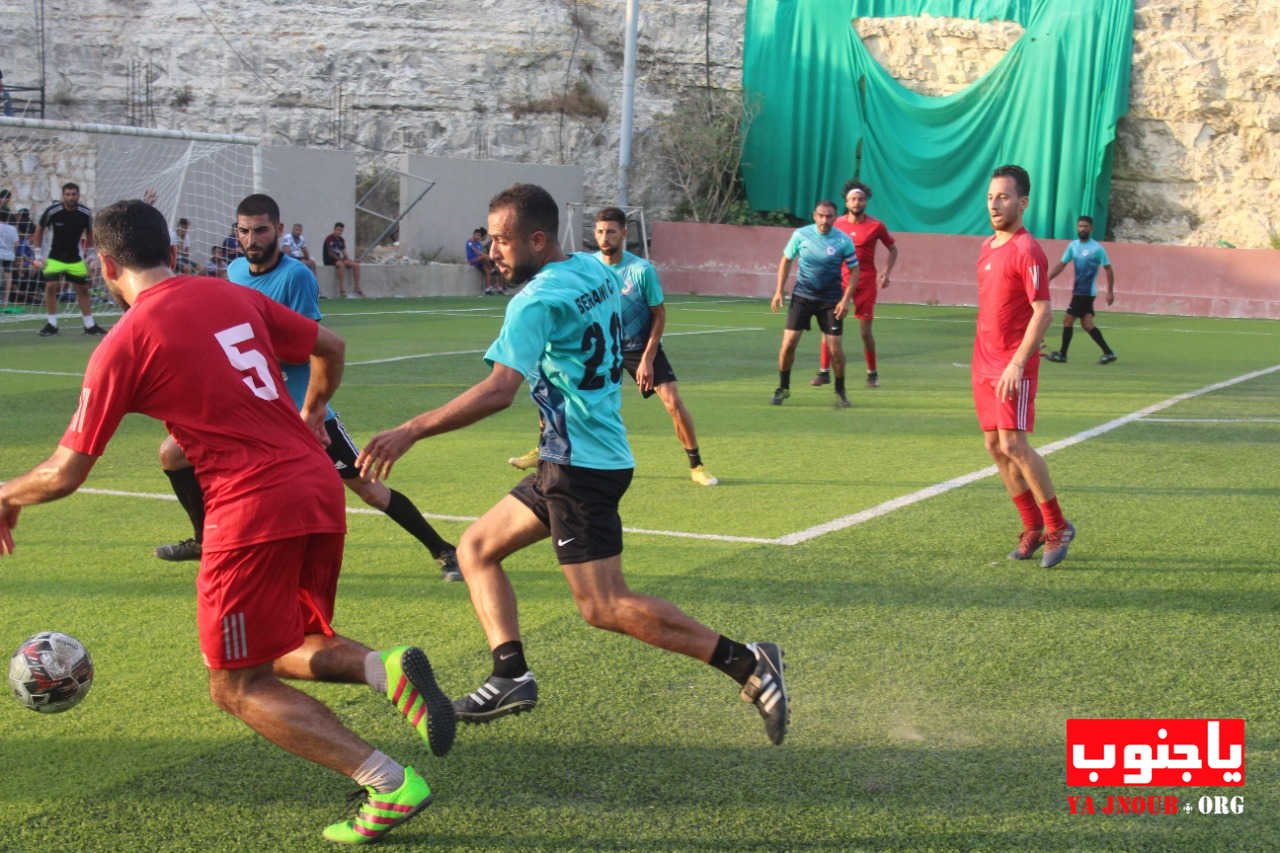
<point>563,333</point>
<point>1087,257</point>
<point>641,292</point>
<point>294,286</point>
<point>822,258</point>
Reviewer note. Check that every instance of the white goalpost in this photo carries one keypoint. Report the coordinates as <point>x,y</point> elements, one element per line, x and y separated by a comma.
<point>199,177</point>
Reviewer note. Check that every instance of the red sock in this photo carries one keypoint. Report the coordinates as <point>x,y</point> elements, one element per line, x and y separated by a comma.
<point>1026,504</point>
<point>824,356</point>
<point>871,361</point>
<point>1053,519</point>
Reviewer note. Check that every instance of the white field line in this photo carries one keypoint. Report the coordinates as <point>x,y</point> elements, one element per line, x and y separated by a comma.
<point>856,518</point>
<point>1211,420</point>
<point>39,372</point>
<point>964,480</point>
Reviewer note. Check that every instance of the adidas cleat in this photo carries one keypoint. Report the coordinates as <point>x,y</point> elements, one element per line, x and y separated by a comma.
<point>412,688</point>
<point>766,691</point>
<point>498,697</point>
<point>380,813</point>
<point>1055,546</point>
<point>1028,543</point>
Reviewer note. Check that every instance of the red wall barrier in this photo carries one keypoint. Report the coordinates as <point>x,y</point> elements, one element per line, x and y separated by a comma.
<point>940,269</point>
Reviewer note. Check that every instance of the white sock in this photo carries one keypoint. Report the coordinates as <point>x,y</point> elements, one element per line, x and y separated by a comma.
<point>380,773</point>
<point>53,320</point>
<point>88,321</point>
<point>375,674</point>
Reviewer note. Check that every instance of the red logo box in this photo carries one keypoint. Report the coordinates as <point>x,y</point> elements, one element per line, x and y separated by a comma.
<point>1174,753</point>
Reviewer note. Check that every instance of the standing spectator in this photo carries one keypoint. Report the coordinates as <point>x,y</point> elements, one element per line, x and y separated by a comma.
<point>822,251</point>
<point>1013,314</point>
<point>69,221</point>
<point>230,249</point>
<point>865,231</point>
<point>5,197</point>
<point>8,252</point>
<point>335,255</point>
<point>1086,254</point>
<point>294,245</point>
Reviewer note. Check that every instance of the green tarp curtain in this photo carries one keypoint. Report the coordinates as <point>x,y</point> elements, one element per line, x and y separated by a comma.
<point>827,111</point>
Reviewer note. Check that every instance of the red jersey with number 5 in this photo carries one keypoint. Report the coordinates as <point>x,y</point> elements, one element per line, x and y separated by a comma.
<point>203,356</point>
<point>1010,277</point>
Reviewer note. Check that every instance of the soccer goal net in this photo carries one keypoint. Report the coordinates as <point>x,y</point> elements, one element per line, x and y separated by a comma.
<point>196,177</point>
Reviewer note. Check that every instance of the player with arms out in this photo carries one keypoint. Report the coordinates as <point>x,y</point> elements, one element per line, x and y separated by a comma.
<point>201,355</point>
<point>1086,254</point>
<point>267,269</point>
<point>563,335</point>
<point>1013,314</point>
<point>823,252</point>
<point>865,231</point>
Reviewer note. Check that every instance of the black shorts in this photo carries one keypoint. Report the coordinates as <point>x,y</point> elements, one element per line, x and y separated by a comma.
<point>662,371</point>
<point>1080,306</point>
<point>579,506</point>
<point>342,450</point>
<point>802,309</point>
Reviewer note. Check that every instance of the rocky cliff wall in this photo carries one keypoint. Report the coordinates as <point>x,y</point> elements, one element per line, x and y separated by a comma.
<point>540,80</point>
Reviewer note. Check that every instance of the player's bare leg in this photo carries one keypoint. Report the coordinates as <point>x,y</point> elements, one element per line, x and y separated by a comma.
<point>836,347</point>
<point>786,358</point>
<point>669,394</point>
<point>869,351</point>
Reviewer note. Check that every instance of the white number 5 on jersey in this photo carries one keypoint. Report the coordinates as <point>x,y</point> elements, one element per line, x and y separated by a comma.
<point>248,360</point>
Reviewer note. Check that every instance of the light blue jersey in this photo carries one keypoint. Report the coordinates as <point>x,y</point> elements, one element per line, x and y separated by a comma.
<point>822,256</point>
<point>641,292</point>
<point>1087,257</point>
<point>563,333</point>
<point>294,286</point>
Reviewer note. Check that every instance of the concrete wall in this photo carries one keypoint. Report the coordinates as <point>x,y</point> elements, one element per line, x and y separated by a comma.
<point>939,269</point>
<point>459,201</point>
<point>405,280</point>
<point>315,187</point>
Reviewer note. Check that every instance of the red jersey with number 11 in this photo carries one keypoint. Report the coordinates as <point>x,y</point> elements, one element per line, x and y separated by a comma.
<point>1010,277</point>
<point>203,356</point>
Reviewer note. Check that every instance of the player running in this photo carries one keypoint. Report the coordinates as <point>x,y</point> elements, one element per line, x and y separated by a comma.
<point>265,268</point>
<point>202,356</point>
<point>562,334</point>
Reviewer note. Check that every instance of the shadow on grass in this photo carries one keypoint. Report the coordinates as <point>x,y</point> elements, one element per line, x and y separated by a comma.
<point>493,794</point>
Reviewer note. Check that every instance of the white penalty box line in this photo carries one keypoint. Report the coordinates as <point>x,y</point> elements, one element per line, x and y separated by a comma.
<point>847,521</point>
<point>990,471</point>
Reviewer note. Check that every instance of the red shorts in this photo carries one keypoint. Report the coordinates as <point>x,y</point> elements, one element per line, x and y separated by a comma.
<point>864,300</point>
<point>993,413</point>
<point>255,604</point>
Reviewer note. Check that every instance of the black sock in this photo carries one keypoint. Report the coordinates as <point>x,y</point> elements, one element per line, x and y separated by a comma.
<point>1067,332</point>
<point>823,371</point>
<point>405,514</point>
<point>840,385</point>
<point>733,659</point>
<point>1096,334</point>
<point>695,458</point>
<point>784,378</point>
<point>191,496</point>
<point>508,660</point>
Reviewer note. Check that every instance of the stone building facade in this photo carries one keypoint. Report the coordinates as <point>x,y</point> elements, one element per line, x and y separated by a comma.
<point>540,80</point>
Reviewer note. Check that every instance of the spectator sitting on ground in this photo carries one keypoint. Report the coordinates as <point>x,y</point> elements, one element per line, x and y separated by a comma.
<point>335,255</point>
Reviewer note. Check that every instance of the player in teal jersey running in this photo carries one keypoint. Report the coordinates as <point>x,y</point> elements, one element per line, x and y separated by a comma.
<point>1087,255</point>
<point>267,269</point>
<point>563,335</point>
<point>823,252</point>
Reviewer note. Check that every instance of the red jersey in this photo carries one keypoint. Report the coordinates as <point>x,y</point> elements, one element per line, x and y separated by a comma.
<point>203,356</point>
<point>864,235</point>
<point>1010,278</point>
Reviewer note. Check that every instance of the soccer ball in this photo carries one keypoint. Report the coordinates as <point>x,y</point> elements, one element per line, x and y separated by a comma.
<point>50,672</point>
